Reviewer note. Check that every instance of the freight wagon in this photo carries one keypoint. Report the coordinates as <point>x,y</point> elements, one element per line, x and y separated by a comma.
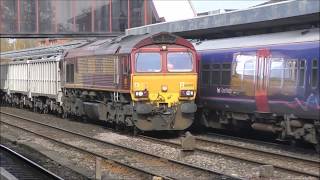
<point>28,82</point>
<point>31,77</point>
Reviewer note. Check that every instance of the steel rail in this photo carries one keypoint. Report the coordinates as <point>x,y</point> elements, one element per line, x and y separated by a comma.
<point>86,151</point>
<point>116,145</point>
<point>264,143</point>
<point>30,162</point>
<point>230,155</point>
<point>254,149</point>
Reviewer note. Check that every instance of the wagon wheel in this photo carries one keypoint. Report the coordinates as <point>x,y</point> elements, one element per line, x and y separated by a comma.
<point>64,115</point>
<point>317,148</point>
<point>21,105</point>
<point>34,108</point>
<point>45,110</point>
<point>117,127</point>
<point>136,131</point>
<point>85,118</point>
<point>293,142</point>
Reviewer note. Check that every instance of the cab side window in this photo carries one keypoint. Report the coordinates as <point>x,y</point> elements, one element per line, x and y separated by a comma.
<point>70,73</point>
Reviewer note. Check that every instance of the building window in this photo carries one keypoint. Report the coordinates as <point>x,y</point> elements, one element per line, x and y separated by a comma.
<point>28,16</point>
<point>314,73</point>
<point>102,16</point>
<point>9,16</point>
<point>46,16</point>
<point>74,16</point>
<point>119,15</point>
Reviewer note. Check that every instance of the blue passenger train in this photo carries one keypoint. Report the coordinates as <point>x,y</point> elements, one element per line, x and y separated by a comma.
<point>268,82</point>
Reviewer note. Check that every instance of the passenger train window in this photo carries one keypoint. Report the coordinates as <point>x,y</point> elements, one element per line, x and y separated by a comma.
<point>302,72</point>
<point>226,66</point>
<point>249,68</point>
<point>206,66</point>
<point>216,66</point>
<point>290,73</point>
<point>205,77</point>
<point>226,74</point>
<point>205,74</point>
<point>276,72</point>
<point>314,73</point>
<point>215,75</point>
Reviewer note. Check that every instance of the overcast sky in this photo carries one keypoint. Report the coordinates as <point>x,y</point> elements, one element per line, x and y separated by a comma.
<point>180,9</point>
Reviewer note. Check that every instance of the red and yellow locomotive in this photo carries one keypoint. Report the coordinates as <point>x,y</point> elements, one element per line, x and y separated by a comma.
<point>147,82</point>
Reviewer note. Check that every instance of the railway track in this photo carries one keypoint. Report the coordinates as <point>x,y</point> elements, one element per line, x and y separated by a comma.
<point>16,166</point>
<point>274,145</point>
<point>146,163</point>
<point>281,162</point>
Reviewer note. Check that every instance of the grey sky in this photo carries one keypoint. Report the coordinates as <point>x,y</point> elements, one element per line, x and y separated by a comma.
<point>207,5</point>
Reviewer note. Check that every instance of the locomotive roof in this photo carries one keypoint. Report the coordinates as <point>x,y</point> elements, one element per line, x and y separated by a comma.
<point>259,40</point>
<point>125,44</point>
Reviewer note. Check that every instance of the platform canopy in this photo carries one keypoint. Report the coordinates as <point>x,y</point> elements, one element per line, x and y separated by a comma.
<point>286,15</point>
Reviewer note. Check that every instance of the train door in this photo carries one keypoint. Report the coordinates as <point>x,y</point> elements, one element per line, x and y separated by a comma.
<point>261,80</point>
<point>125,71</point>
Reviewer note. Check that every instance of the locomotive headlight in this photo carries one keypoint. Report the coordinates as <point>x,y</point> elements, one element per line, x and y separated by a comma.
<point>141,94</point>
<point>164,88</point>
<point>186,93</point>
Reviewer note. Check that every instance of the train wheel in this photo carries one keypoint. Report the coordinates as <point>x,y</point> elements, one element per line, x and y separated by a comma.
<point>293,143</point>
<point>45,110</point>
<point>317,148</point>
<point>135,131</point>
<point>21,105</point>
<point>64,115</point>
<point>117,127</point>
